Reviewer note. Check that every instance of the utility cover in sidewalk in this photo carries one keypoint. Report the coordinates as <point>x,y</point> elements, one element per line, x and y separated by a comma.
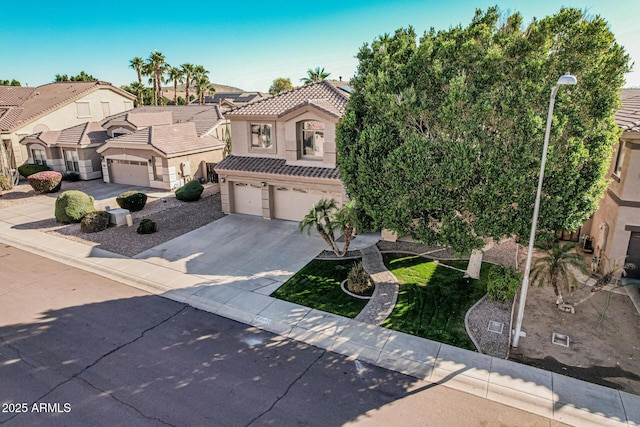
<point>560,339</point>
<point>496,327</point>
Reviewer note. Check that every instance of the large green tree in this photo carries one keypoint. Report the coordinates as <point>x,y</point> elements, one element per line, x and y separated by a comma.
<point>81,77</point>
<point>12,82</point>
<point>442,138</point>
<point>280,85</point>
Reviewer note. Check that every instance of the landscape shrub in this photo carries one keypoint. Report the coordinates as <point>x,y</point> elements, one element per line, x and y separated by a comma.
<point>132,200</point>
<point>190,192</point>
<point>502,283</point>
<point>5,183</point>
<point>146,226</point>
<point>94,222</point>
<point>71,176</point>
<point>45,182</point>
<point>29,169</point>
<point>72,206</point>
<point>358,280</point>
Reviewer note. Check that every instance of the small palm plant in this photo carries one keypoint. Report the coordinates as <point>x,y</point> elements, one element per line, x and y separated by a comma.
<point>327,218</point>
<point>556,268</point>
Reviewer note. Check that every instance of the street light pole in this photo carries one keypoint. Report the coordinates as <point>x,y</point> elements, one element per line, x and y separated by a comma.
<point>567,79</point>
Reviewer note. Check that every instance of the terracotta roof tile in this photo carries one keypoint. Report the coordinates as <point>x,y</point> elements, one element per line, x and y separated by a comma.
<point>628,117</point>
<point>326,94</point>
<point>274,166</point>
<point>80,135</point>
<point>46,98</point>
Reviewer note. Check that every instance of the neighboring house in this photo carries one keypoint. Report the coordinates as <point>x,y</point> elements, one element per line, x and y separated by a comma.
<point>284,153</point>
<point>162,147</point>
<point>55,106</point>
<point>615,227</point>
<point>69,150</point>
<point>229,100</point>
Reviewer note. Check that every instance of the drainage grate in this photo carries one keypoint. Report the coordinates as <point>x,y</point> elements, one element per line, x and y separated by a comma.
<point>560,339</point>
<point>496,327</point>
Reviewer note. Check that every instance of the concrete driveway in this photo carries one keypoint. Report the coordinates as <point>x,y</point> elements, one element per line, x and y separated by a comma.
<point>249,252</point>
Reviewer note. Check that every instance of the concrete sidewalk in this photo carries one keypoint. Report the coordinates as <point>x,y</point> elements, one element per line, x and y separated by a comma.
<point>548,394</point>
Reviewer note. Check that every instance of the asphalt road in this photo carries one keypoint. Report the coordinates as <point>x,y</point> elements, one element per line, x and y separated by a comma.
<point>77,349</point>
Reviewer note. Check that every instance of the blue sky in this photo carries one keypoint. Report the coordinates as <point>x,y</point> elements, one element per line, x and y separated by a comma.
<point>246,43</point>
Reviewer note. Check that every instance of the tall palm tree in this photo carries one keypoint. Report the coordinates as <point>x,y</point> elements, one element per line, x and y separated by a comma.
<point>203,84</point>
<point>176,76</point>
<point>137,64</point>
<point>187,71</point>
<point>556,268</point>
<point>314,76</point>
<point>326,217</point>
<point>138,89</point>
<point>149,71</point>
<point>158,63</point>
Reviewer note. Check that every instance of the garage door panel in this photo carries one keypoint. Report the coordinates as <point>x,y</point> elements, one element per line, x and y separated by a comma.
<point>247,199</point>
<point>293,204</point>
<point>129,172</point>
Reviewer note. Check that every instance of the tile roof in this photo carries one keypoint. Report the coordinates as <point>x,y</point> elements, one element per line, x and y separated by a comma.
<point>30,103</point>
<point>172,139</point>
<point>327,95</point>
<point>81,135</point>
<point>236,98</point>
<point>268,165</point>
<point>628,117</point>
<point>205,117</point>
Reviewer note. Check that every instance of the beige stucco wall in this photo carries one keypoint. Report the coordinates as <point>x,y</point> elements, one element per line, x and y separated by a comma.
<point>67,116</point>
<point>285,137</point>
<point>630,181</point>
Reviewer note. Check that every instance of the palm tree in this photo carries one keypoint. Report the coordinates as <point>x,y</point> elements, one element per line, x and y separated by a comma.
<point>326,217</point>
<point>158,64</point>
<point>314,76</point>
<point>187,71</point>
<point>137,64</point>
<point>555,267</point>
<point>176,76</point>
<point>203,85</point>
<point>138,89</point>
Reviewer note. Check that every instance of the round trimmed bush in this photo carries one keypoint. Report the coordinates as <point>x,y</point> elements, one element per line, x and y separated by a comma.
<point>94,222</point>
<point>72,206</point>
<point>29,169</point>
<point>190,192</point>
<point>132,200</point>
<point>71,176</point>
<point>146,226</point>
<point>45,182</point>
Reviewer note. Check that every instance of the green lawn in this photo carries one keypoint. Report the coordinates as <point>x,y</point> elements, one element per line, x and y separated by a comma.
<point>433,299</point>
<point>317,286</point>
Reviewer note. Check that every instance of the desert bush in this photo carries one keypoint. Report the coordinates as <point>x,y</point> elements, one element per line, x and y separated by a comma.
<point>358,280</point>
<point>72,206</point>
<point>132,200</point>
<point>94,222</point>
<point>502,283</point>
<point>71,176</point>
<point>45,182</point>
<point>146,226</point>
<point>5,183</point>
<point>190,192</point>
<point>29,169</point>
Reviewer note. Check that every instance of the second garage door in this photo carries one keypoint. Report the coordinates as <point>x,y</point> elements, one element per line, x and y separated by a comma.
<point>129,172</point>
<point>633,256</point>
<point>294,204</point>
<point>247,199</point>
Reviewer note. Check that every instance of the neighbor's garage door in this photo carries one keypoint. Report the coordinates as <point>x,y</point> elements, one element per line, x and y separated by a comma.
<point>247,199</point>
<point>129,172</point>
<point>633,255</point>
<point>294,204</point>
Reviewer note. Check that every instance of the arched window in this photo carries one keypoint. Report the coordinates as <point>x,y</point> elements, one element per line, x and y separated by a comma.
<point>311,134</point>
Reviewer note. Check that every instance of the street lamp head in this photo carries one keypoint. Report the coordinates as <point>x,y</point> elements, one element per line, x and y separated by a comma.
<point>567,79</point>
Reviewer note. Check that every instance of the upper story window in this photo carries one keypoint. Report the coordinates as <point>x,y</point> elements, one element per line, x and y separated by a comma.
<point>106,108</point>
<point>84,109</point>
<point>312,139</point>
<point>617,169</point>
<point>261,135</point>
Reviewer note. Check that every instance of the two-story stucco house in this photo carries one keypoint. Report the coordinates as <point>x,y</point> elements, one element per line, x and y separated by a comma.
<point>284,153</point>
<point>54,106</point>
<point>615,226</point>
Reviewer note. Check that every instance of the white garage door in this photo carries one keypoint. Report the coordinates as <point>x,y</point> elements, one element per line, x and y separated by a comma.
<point>294,204</point>
<point>129,172</point>
<point>247,199</point>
